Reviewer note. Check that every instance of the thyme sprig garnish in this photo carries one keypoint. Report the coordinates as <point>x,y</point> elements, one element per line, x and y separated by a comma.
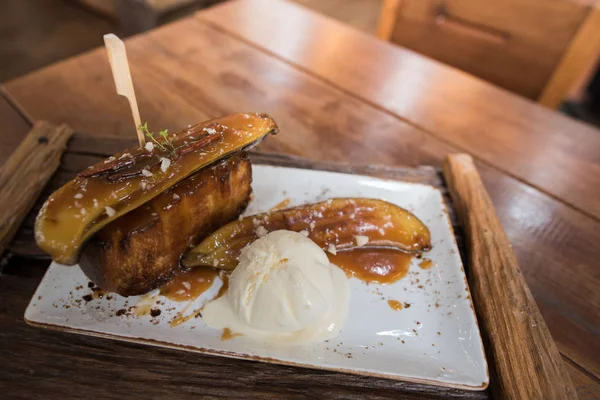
<point>164,142</point>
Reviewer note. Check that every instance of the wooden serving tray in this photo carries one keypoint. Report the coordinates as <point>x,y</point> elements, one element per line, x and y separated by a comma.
<point>523,359</point>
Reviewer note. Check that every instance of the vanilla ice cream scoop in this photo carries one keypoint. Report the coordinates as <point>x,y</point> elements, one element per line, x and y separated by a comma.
<point>284,290</point>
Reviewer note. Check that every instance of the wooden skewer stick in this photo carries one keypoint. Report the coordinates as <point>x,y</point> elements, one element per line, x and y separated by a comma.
<point>117,57</point>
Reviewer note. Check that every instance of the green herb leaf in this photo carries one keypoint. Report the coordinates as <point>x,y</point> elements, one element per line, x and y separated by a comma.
<point>166,144</point>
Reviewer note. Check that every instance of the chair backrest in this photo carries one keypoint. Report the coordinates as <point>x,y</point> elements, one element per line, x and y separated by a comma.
<point>517,44</point>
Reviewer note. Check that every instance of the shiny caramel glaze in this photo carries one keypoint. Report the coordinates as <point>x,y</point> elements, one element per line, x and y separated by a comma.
<point>182,317</point>
<point>378,265</point>
<point>282,205</point>
<point>395,305</point>
<point>228,335</point>
<point>140,251</point>
<point>189,285</point>
<point>77,210</point>
<point>335,222</point>
<point>225,275</point>
<point>426,263</point>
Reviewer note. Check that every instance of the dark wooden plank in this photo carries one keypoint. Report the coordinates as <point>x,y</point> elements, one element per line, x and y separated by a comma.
<point>26,172</point>
<point>518,342</point>
<point>503,129</point>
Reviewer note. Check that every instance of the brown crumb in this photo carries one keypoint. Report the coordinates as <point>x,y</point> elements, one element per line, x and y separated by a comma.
<point>406,305</point>
<point>120,312</point>
<point>87,297</point>
<point>155,312</point>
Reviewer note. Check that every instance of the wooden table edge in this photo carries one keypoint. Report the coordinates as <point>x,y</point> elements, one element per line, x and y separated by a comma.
<point>201,16</point>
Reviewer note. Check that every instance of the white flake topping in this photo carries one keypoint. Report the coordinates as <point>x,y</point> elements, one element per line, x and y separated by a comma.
<point>145,172</point>
<point>332,249</point>
<point>176,196</point>
<point>361,240</point>
<point>78,196</point>
<point>165,163</point>
<point>110,211</point>
<point>149,146</point>
<point>210,131</point>
<point>261,231</point>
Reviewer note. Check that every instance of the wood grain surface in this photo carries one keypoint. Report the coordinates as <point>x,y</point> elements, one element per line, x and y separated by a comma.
<point>496,126</point>
<point>26,172</point>
<point>518,341</point>
<point>191,70</point>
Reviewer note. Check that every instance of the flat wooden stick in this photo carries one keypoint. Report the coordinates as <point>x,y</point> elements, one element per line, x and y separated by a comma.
<point>25,174</point>
<point>117,57</point>
<point>524,359</point>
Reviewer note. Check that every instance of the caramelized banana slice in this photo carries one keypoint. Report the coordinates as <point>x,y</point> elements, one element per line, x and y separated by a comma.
<point>110,189</point>
<point>335,222</point>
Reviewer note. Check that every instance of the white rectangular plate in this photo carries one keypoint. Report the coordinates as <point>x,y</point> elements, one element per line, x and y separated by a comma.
<point>434,339</point>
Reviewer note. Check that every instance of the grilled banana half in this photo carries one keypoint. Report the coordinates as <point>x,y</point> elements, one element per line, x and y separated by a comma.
<point>129,219</point>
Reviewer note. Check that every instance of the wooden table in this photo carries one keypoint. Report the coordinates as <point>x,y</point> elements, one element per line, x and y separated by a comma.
<point>338,95</point>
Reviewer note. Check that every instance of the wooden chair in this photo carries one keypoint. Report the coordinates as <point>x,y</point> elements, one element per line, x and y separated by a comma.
<point>537,48</point>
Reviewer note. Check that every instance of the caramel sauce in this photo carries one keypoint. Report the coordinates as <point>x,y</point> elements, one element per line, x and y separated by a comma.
<point>189,285</point>
<point>228,335</point>
<point>223,289</point>
<point>395,305</point>
<point>378,265</point>
<point>181,318</point>
<point>281,206</point>
<point>426,263</point>
<point>99,293</point>
<point>144,306</point>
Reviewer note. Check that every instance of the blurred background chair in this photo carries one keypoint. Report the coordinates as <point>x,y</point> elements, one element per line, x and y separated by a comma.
<point>540,49</point>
